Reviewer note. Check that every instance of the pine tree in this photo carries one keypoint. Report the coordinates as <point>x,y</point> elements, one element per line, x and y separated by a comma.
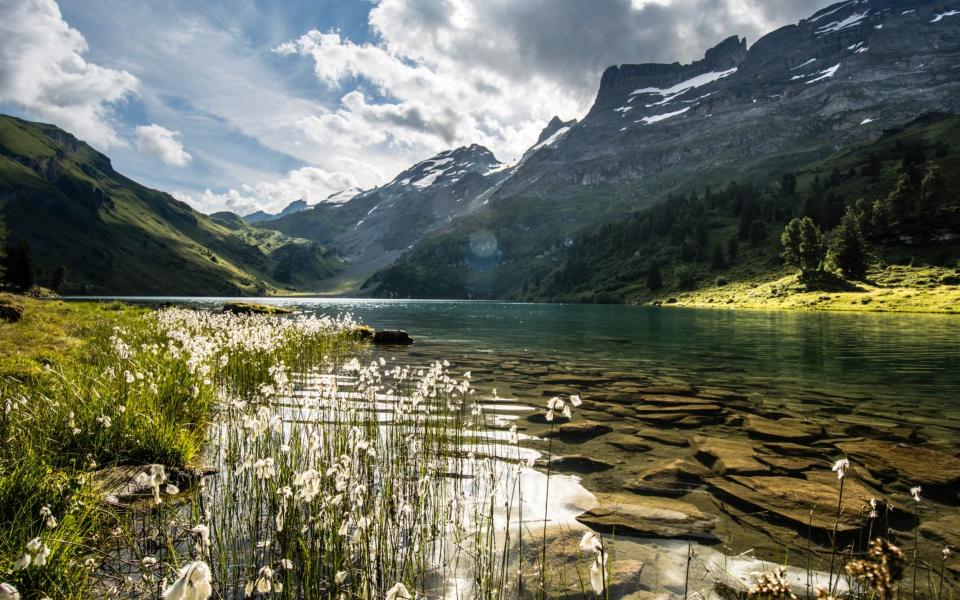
<point>847,250</point>
<point>733,248</point>
<point>22,270</point>
<point>933,193</point>
<point>901,201</point>
<point>758,232</point>
<point>58,278</point>
<point>654,278</point>
<point>802,244</point>
<point>719,259</point>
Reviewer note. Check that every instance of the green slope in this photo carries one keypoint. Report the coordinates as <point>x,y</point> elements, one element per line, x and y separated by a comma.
<point>117,236</point>
<point>592,249</point>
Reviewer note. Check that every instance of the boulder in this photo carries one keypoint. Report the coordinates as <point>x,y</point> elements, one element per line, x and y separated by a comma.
<point>250,308</point>
<point>392,337</point>
<point>912,465</point>
<point>664,436</point>
<point>792,464</point>
<point>670,478</point>
<point>578,463</point>
<point>581,431</point>
<point>724,455</point>
<point>648,516</point>
<point>802,502</point>
<point>783,429</point>
<point>10,312</point>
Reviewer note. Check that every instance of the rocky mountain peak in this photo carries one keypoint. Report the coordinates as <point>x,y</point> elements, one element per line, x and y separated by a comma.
<point>552,127</point>
<point>447,167</point>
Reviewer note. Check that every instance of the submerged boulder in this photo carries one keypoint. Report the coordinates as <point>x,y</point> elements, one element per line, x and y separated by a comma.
<point>724,455</point>
<point>648,516</point>
<point>581,431</point>
<point>671,478</point>
<point>913,465</point>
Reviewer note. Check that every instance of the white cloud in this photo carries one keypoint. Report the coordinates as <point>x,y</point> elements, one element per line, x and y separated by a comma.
<point>162,143</point>
<point>307,183</point>
<point>42,70</point>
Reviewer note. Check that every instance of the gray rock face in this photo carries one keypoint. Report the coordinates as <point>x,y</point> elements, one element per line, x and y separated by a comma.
<point>842,75</point>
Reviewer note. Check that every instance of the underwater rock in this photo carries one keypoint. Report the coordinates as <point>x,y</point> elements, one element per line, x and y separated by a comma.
<point>394,337</point>
<point>913,465</point>
<point>648,516</point>
<point>786,429</point>
<point>581,431</point>
<point>725,455</point>
<point>671,478</point>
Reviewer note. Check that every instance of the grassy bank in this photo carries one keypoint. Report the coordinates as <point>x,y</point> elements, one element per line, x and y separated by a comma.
<point>89,387</point>
<point>892,288</point>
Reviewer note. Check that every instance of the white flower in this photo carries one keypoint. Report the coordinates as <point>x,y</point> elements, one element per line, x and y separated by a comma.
<point>398,592</point>
<point>575,400</point>
<point>514,437</point>
<point>840,467</point>
<point>148,561</point>
<point>590,542</point>
<point>340,577</point>
<point>915,492</point>
<point>33,546</point>
<point>204,532</point>
<point>172,490</point>
<point>549,416</point>
<point>193,583</point>
<point>264,468</point>
<point>105,420</point>
<point>248,588</point>
<point>8,592</point>
<point>265,580</point>
<point>873,508</point>
<point>41,557</point>
<point>47,515</point>
<point>946,552</point>
<point>566,412</point>
<point>598,574</point>
<point>22,563</point>
<point>286,564</point>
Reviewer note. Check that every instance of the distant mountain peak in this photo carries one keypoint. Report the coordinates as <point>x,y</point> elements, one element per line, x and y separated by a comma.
<point>448,167</point>
<point>552,127</point>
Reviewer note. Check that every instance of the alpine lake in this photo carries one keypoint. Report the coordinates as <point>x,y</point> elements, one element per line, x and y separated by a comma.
<point>703,448</point>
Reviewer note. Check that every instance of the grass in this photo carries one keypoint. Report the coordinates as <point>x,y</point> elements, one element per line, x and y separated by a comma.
<point>893,288</point>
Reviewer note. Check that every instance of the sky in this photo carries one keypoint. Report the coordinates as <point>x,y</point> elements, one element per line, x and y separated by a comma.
<point>251,104</point>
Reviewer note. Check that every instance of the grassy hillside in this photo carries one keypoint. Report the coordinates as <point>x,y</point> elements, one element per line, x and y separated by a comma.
<point>114,235</point>
<point>701,237</point>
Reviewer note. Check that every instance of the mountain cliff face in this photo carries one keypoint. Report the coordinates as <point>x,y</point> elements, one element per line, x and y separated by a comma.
<point>117,237</point>
<point>842,76</point>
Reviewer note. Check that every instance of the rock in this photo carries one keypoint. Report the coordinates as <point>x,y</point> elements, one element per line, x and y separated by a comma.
<point>10,312</point>
<point>581,431</point>
<point>785,429</point>
<point>250,308</point>
<point>667,390</point>
<point>596,415</point>
<point>944,531</point>
<point>648,516</point>
<point>791,449</point>
<point>912,465</point>
<point>664,436</point>
<point>793,499</point>
<point>571,378</point>
<point>698,409</point>
<point>579,463</point>
<point>364,333</point>
<point>725,455</point>
<point>671,478</point>
<point>627,443</point>
<point>394,337</point>
<point>792,464</point>
<point>673,400</point>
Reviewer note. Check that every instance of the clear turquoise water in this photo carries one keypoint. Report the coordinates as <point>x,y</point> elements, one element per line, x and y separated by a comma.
<point>895,360</point>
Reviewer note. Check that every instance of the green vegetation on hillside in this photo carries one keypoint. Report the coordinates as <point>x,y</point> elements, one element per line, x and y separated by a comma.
<point>113,235</point>
<point>894,198</point>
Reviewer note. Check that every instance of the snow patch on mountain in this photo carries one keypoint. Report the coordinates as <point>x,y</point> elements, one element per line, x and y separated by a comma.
<point>851,21</point>
<point>657,118</point>
<point>672,92</point>
<point>940,16</point>
<point>825,74</point>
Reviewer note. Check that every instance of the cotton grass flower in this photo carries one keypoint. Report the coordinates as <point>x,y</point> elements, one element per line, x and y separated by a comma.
<point>398,592</point>
<point>47,515</point>
<point>840,467</point>
<point>193,583</point>
<point>915,492</point>
<point>23,562</point>
<point>8,592</point>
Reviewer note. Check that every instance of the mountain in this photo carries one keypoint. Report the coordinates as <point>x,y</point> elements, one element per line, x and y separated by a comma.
<point>660,131</point>
<point>116,236</point>
<point>261,216</point>
<point>374,227</point>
